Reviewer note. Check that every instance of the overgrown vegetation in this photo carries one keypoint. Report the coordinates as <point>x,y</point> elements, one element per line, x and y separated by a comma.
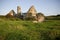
<point>57,17</point>
<point>16,29</point>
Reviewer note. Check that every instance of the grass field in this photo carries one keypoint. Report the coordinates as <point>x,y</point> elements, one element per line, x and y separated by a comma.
<point>26,30</point>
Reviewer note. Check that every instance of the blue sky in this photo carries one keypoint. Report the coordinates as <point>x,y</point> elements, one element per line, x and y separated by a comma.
<point>47,7</point>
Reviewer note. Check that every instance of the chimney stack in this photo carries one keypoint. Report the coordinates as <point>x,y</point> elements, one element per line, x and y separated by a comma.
<point>18,10</point>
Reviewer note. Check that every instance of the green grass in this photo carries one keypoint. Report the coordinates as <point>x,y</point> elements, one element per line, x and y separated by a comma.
<point>26,30</point>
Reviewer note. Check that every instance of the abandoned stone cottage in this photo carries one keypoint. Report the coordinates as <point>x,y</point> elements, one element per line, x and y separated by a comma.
<point>31,14</point>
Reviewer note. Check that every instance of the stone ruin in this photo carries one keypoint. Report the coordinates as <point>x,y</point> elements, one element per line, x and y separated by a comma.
<point>30,14</point>
<point>18,11</point>
<point>40,17</point>
<point>32,11</point>
<point>11,14</point>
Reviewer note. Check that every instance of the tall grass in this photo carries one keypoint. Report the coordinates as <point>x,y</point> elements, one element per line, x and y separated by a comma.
<point>26,30</point>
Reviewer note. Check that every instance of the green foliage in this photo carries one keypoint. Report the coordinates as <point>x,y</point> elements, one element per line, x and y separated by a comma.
<point>16,29</point>
<point>53,17</point>
<point>32,18</point>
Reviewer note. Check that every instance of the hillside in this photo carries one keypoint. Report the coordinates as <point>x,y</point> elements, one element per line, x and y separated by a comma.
<point>16,29</point>
<point>53,17</point>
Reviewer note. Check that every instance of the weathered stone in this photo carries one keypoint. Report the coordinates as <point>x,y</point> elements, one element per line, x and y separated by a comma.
<point>40,17</point>
<point>30,15</point>
<point>11,13</point>
<point>35,21</point>
<point>18,9</point>
<point>18,12</point>
<point>32,11</point>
